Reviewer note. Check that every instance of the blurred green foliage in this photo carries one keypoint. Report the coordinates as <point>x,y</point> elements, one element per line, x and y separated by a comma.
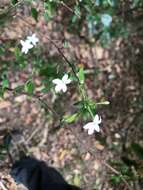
<point>103,20</point>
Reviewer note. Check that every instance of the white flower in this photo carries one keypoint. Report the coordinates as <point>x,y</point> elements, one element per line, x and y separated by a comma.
<point>61,84</point>
<point>94,125</point>
<point>106,20</point>
<point>29,43</point>
<point>33,39</point>
<point>26,45</point>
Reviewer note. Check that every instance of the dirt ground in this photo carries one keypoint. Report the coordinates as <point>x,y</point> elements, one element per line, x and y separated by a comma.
<point>114,74</point>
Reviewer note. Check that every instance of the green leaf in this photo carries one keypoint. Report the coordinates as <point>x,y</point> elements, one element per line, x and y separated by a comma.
<point>19,58</point>
<point>19,89</point>
<point>79,104</point>
<point>1,92</point>
<point>29,87</point>
<point>45,90</point>
<point>71,118</point>
<point>2,50</point>
<point>81,75</point>
<point>17,52</point>
<point>138,150</point>
<point>14,2</point>
<point>74,18</point>
<point>77,179</point>
<point>116,179</point>
<point>48,71</point>
<point>66,44</point>
<point>34,13</point>
<point>5,83</point>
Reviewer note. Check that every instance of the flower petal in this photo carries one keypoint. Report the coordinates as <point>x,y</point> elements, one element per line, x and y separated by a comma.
<point>58,88</point>
<point>24,50</point>
<point>56,81</point>
<point>65,79</point>
<point>90,131</point>
<point>22,42</point>
<point>96,128</point>
<point>97,119</point>
<point>68,81</point>
<point>89,125</point>
<point>64,87</point>
<point>33,39</point>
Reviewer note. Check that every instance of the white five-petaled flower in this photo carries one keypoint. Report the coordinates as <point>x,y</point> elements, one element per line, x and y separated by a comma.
<point>33,39</point>
<point>26,45</point>
<point>61,84</point>
<point>94,125</point>
<point>29,43</point>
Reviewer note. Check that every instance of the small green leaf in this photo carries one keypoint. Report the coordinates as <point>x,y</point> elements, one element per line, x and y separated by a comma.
<point>71,118</point>
<point>116,179</point>
<point>14,2</point>
<point>77,180</point>
<point>34,13</point>
<point>19,89</point>
<point>81,75</point>
<point>74,18</point>
<point>45,90</point>
<point>29,87</point>
<point>79,104</point>
<point>138,150</point>
<point>1,92</point>
<point>2,50</point>
<point>5,83</point>
<point>66,44</point>
<point>17,53</point>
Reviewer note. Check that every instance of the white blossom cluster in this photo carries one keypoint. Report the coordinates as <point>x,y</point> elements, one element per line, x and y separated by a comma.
<point>29,43</point>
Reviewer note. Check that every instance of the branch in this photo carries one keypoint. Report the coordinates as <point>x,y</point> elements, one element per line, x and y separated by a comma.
<point>71,65</point>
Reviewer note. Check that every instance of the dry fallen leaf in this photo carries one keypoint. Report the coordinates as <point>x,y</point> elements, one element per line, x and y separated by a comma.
<point>99,146</point>
<point>4,104</point>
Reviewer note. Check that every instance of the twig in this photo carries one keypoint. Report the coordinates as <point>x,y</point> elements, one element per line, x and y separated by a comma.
<point>71,65</point>
<point>70,9</point>
<point>118,173</point>
<point>32,135</point>
<point>45,135</point>
<point>46,106</point>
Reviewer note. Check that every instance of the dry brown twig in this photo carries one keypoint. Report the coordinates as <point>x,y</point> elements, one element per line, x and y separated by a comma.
<point>70,9</point>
